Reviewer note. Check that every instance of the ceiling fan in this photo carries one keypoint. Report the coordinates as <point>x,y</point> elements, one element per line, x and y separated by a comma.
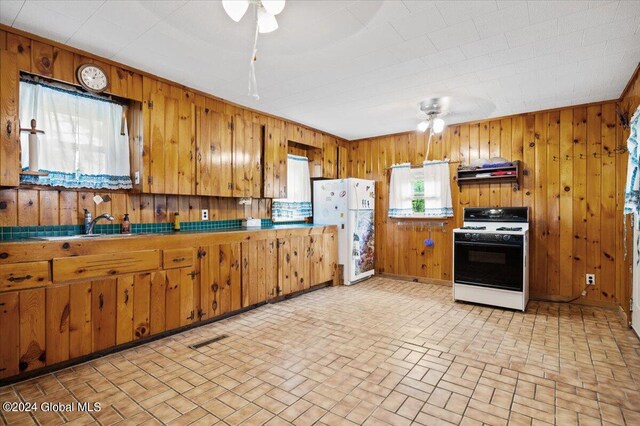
<point>432,111</point>
<point>266,11</point>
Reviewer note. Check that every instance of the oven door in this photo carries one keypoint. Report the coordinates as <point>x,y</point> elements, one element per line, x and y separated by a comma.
<point>487,264</point>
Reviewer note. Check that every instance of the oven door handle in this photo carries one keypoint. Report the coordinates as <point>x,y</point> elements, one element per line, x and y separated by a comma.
<point>482,243</point>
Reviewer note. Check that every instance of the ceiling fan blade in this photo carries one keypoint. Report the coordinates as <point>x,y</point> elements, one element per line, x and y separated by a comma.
<point>235,8</point>
<point>266,22</point>
<point>273,6</point>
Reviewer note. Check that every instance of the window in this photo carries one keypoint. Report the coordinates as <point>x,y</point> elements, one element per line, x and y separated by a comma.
<point>417,191</point>
<point>297,205</point>
<point>85,142</point>
<point>420,192</point>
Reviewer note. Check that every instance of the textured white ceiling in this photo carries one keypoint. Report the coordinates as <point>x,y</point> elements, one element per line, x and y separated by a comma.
<point>359,68</point>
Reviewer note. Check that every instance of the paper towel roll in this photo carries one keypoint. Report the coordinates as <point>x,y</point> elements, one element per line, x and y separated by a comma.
<point>33,152</point>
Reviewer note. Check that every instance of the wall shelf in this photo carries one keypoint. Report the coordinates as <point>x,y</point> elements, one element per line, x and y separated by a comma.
<point>468,176</point>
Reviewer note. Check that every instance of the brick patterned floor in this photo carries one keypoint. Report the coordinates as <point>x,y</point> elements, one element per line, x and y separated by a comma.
<point>381,352</point>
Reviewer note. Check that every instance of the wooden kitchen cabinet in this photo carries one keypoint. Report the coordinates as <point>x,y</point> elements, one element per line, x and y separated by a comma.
<point>112,304</point>
<point>104,265</point>
<point>179,309</point>
<point>57,313</point>
<point>214,147</point>
<point>221,282</point>
<point>32,330</point>
<point>172,134</point>
<point>275,160</point>
<point>24,275</point>
<point>229,155</point>
<point>9,126</point>
<point>9,334</point>
<point>103,313</point>
<point>259,271</point>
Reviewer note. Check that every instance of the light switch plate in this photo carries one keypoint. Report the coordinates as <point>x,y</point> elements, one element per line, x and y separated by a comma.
<point>136,178</point>
<point>205,214</point>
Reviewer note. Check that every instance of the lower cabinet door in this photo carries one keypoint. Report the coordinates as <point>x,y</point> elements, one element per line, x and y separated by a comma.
<point>32,330</point>
<point>58,310</point>
<point>9,334</point>
<point>157,302</point>
<point>222,278</point>
<point>179,297</point>
<point>103,313</point>
<point>80,328</point>
<point>284,266</point>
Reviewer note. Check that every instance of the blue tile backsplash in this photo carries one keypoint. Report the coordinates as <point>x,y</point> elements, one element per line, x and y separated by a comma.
<point>23,232</point>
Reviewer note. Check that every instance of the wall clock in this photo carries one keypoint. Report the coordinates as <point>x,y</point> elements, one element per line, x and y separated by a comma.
<point>92,78</point>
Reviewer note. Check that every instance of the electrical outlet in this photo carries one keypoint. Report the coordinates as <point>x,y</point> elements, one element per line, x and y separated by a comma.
<point>136,178</point>
<point>205,214</point>
<point>590,279</point>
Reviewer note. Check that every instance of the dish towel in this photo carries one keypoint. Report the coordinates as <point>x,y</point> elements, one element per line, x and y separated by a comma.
<point>437,189</point>
<point>632,188</point>
<point>400,191</point>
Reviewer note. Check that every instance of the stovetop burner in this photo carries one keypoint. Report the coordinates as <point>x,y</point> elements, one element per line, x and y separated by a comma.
<point>474,228</point>
<point>505,228</point>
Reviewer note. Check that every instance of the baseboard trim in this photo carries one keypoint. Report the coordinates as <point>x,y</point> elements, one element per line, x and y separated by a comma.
<point>422,280</point>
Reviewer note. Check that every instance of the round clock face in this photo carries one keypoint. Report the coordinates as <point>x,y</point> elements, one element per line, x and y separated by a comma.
<point>92,78</point>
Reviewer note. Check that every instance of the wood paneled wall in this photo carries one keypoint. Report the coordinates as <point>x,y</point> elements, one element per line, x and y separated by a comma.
<point>37,206</point>
<point>573,184</point>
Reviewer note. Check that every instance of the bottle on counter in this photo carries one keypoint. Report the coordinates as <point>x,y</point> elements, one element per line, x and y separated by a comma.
<point>126,225</point>
<point>176,221</point>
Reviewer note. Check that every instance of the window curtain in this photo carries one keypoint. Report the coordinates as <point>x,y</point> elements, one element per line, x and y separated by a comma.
<point>400,193</point>
<point>632,188</point>
<point>437,189</point>
<point>82,145</point>
<point>297,205</point>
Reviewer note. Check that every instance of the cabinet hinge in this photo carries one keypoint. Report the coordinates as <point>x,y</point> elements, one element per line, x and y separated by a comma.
<point>150,104</point>
<point>201,253</point>
<point>192,274</point>
<point>150,180</point>
<point>200,313</point>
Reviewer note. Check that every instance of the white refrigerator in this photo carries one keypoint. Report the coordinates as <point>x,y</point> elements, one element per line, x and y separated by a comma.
<point>349,204</point>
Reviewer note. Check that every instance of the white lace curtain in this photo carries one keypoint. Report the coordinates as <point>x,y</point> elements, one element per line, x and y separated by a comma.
<point>82,145</point>
<point>400,191</point>
<point>297,205</point>
<point>437,190</point>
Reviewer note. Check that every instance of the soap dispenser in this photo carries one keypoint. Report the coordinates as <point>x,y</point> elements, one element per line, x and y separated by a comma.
<point>126,225</point>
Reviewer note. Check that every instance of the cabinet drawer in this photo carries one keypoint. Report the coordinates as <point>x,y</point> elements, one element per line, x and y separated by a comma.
<point>24,275</point>
<point>104,265</point>
<point>177,258</point>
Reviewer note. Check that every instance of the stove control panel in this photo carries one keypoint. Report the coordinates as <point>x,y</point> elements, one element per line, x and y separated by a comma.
<point>488,237</point>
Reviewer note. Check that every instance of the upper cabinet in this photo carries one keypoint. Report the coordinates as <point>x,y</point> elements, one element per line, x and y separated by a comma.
<point>229,155</point>
<point>170,168</point>
<point>9,126</point>
<point>180,142</point>
<point>304,136</point>
<point>275,160</point>
<point>214,147</point>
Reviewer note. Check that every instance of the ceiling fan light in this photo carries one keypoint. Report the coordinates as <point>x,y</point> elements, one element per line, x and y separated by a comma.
<point>273,6</point>
<point>438,125</point>
<point>235,8</point>
<point>266,22</point>
<point>423,126</point>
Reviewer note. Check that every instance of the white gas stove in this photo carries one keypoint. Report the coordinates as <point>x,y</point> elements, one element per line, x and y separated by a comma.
<point>490,257</point>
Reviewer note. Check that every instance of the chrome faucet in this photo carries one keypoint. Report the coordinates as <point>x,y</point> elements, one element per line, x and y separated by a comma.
<point>89,223</point>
